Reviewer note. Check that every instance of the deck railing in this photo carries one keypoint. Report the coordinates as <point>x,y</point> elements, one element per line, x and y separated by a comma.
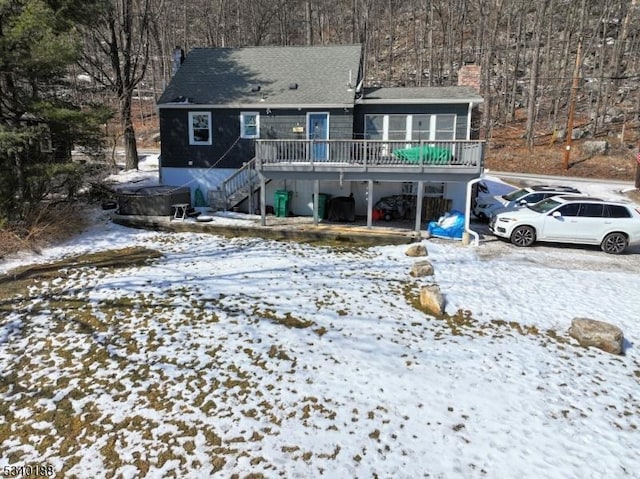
<point>370,153</point>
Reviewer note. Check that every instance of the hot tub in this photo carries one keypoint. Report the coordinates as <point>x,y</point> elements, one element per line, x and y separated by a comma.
<point>152,200</point>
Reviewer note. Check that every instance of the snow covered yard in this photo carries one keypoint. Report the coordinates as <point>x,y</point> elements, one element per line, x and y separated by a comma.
<point>128,353</point>
<point>253,358</point>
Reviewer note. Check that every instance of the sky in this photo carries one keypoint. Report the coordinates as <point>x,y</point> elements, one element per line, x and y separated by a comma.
<point>250,356</point>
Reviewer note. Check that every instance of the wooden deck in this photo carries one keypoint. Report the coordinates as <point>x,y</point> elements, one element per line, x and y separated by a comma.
<point>370,160</point>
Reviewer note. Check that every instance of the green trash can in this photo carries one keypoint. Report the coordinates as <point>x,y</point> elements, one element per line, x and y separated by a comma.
<point>281,203</point>
<point>323,199</point>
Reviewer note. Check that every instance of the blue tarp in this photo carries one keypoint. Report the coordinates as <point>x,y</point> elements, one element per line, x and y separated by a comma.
<point>449,226</point>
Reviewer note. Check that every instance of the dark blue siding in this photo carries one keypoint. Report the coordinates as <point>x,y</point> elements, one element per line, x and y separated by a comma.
<point>227,150</point>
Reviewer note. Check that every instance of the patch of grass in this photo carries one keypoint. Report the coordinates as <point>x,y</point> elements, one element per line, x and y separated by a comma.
<point>287,320</point>
<point>321,331</point>
<point>20,281</point>
<point>331,456</point>
<point>290,449</point>
<point>279,353</point>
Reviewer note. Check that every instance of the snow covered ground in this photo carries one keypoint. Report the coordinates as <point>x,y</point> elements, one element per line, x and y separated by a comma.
<point>258,358</point>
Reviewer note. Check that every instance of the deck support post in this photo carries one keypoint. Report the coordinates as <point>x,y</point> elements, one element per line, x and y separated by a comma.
<point>263,201</point>
<point>369,204</point>
<point>419,198</point>
<point>251,207</point>
<point>316,201</point>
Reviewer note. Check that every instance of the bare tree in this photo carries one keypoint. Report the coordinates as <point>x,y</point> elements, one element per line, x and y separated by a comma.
<point>116,55</point>
<point>526,49</point>
<point>539,15</point>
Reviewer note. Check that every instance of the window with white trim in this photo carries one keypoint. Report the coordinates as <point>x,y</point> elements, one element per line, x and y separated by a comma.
<point>397,129</point>
<point>415,127</point>
<point>249,124</point>
<point>420,127</point>
<point>374,127</point>
<point>199,128</point>
<point>445,127</point>
<point>431,190</point>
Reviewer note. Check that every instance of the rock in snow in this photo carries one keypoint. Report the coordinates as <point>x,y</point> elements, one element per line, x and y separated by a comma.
<point>599,334</point>
<point>421,268</point>
<point>417,250</point>
<point>431,298</point>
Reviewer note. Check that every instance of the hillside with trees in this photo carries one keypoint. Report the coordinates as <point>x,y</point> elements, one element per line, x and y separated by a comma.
<point>527,50</point>
<point>537,58</point>
<point>88,73</point>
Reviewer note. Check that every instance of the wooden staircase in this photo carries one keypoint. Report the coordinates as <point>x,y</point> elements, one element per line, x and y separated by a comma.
<point>236,188</point>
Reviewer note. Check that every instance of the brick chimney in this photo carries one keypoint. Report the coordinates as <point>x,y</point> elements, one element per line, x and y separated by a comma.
<point>469,75</point>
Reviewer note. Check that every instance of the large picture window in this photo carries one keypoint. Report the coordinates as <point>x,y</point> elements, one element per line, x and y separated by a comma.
<point>199,128</point>
<point>411,127</point>
<point>249,124</point>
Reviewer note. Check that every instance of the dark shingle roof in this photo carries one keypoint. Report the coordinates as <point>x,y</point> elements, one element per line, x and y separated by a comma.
<point>447,94</point>
<point>226,76</point>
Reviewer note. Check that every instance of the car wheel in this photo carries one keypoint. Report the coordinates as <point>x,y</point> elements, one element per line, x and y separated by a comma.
<point>614,243</point>
<point>523,236</point>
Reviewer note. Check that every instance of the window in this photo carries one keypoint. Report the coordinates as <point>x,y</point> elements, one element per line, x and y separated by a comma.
<point>374,127</point>
<point>397,127</point>
<point>445,127</point>
<point>591,210</point>
<point>534,197</point>
<point>617,211</point>
<point>199,128</point>
<point>570,209</point>
<point>249,124</point>
<point>430,189</point>
<point>416,127</point>
<point>421,127</point>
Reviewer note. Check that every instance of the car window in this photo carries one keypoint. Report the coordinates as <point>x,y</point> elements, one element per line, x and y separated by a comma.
<point>535,197</point>
<point>616,211</point>
<point>570,209</point>
<point>515,195</point>
<point>545,205</point>
<point>591,210</point>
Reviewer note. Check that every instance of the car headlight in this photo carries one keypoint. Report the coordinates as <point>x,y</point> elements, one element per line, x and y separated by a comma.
<point>506,219</point>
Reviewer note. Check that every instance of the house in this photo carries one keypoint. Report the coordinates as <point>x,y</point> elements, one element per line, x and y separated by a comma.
<point>298,119</point>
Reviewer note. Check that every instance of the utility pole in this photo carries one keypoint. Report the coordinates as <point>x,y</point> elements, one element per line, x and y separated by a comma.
<point>572,107</point>
<point>638,168</point>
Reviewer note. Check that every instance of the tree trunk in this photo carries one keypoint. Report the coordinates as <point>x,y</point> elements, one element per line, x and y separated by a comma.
<point>308,22</point>
<point>535,67</point>
<point>129,135</point>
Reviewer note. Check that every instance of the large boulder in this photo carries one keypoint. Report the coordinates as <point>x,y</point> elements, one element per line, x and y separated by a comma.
<point>421,268</point>
<point>598,334</point>
<point>416,249</point>
<point>593,148</point>
<point>431,299</point>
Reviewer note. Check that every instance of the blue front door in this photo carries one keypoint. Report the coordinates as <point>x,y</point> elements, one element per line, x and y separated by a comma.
<point>318,130</point>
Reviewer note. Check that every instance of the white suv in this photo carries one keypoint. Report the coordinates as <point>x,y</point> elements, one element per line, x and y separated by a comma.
<point>486,206</point>
<point>572,219</point>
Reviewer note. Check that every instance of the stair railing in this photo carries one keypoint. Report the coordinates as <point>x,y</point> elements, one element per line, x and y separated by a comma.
<point>241,184</point>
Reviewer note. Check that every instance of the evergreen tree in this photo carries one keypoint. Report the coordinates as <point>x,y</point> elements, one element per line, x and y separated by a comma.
<point>38,124</point>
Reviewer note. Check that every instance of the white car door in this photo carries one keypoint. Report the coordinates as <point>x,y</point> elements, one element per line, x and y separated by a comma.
<point>591,224</point>
<point>560,224</point>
